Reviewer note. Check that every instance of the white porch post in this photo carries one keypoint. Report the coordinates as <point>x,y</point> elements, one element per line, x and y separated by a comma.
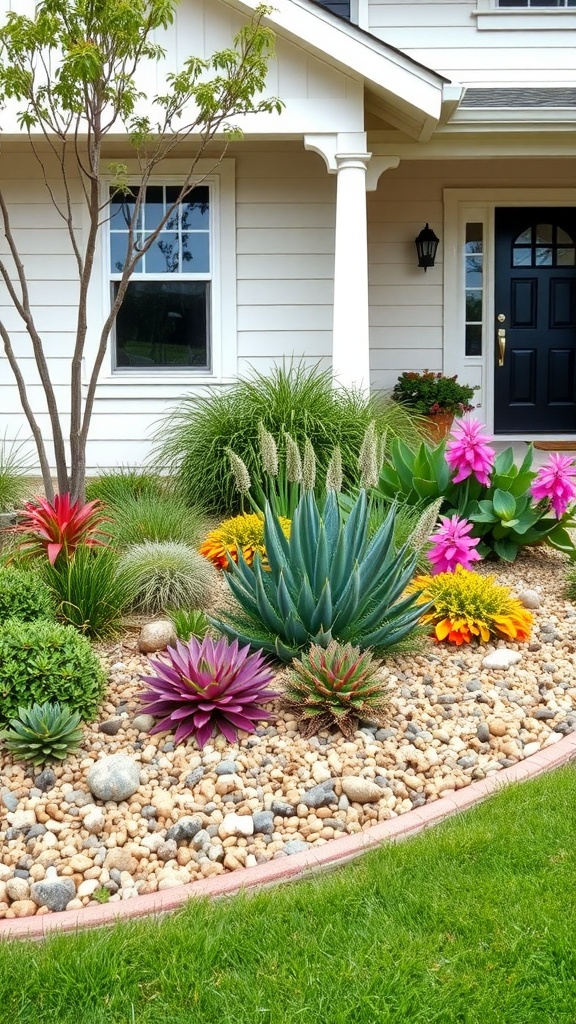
<point>346,156</point>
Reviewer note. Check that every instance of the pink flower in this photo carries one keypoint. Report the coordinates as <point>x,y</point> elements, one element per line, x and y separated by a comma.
<point>469,453</point>
<point>554,482</point>
<point>452,546</point>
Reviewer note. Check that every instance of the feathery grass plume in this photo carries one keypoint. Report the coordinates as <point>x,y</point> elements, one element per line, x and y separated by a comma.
<point>368,457</point>
<point>308,466</point>
<point>268,450</point>
<point>334,474</point>
<point>240,472</point>
<point>167,575</point>
<point>463,605</point>
<point>381,448</point>
<point>293,460</point>
<point>420,536</point>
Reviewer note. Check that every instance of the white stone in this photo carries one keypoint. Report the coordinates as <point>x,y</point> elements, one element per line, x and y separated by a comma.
<point>531,748</point>
<point>21,819</point>
<point>530,599</point>
<point>320,772</point>
<point>87,887</point>
<point>236,825</point>
<point>18,888</point>
<point>94,821</point>
<point>502,658</point>
<point>156,636</point>
<point>116,777</point>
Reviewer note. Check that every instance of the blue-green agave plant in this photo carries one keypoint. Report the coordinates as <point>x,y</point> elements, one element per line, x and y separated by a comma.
<point>328,581</point>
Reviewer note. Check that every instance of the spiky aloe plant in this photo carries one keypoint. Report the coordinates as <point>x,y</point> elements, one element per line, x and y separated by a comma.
<point>328,581</point>
<point>335,685</point>
<point>202,687</point>
<point>43,732</point>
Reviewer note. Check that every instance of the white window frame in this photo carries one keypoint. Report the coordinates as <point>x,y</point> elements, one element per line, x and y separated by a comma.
<point>462,206</point>
<point>492,17</point>
<point>222,314</point>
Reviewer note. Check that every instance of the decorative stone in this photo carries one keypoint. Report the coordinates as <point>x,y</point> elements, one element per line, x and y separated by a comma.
<point>184,829</point>
<point>8,799</point>
<point>23,908</point>
<point>120,859</point>
<point>116,777</point>
<point>483,733</point>
<point>94,821</point>
<point>236,825</point>
<point>156,636</point>
<point>295,846</point>
<point>319,796</point>
<point>282,809</point>
<point>501,658</point>
<point>21,819</point>
<point>530,599</point>
<point>497,727</point>
<point>18,888</point>
<point>143,723</point>
<point>53,893</point>
<point>361,791</point>
<point>226,768</point>
<point>263,822</point>
<point>45,780</point>
<point>111,727</point>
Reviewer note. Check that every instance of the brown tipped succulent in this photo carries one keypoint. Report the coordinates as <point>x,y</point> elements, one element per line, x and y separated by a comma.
<point>334,685</point>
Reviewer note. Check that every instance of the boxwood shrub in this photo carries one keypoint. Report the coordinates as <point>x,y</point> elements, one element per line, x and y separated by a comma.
<point>45,661</point>
<point>24,596</point>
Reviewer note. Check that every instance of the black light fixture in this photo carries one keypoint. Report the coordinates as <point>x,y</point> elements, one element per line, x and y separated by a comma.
<point>426,246</point>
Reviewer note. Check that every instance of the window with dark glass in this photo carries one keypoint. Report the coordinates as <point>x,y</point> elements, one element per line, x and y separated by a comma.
<point>544,245</point>
<point>474,288</point>
<point>537,3</point>
<point>164,320</point>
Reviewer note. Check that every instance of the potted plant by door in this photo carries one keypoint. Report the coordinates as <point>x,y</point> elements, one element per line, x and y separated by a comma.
<point>436,397</point>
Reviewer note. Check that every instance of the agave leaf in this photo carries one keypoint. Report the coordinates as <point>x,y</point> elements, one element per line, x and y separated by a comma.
<point>323,614</point>
<point>284,652</point>
<point>285,602</point>
<point>390,632</point>
<point>321,564</point>
<point>342,565</point>
<point>356,527</point>
<point>331,519</point>
<point>306,602</point>
<point>347,602</point>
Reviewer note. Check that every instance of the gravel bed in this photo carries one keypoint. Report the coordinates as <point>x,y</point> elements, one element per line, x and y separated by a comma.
<point>193,813</point>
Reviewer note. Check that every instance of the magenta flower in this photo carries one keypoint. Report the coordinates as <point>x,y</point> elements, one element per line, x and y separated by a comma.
<point>469,453</point>
<point>451,546</point>
<point>554,482</point>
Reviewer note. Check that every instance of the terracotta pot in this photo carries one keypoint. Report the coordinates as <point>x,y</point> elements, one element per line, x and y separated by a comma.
<point>439,426</point>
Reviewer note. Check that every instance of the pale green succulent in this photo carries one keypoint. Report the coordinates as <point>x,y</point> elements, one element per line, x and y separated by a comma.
<point>43,732</point>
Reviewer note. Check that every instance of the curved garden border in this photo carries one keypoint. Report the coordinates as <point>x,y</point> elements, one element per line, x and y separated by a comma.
<point>300,865</point>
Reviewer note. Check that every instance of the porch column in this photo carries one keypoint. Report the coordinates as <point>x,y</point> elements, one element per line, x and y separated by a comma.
<point>346,156</point>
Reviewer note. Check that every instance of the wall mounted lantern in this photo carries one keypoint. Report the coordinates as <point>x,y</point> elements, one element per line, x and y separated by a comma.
<point>426,246</point>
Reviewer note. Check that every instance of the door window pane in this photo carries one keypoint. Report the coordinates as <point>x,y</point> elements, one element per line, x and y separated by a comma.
<point>474,281</point>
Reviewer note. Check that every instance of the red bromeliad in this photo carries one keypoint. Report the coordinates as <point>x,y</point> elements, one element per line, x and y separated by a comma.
<point>61,526</point>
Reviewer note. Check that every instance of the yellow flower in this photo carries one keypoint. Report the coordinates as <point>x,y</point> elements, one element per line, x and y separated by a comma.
<point>245,533</point>
<point>466,605</point>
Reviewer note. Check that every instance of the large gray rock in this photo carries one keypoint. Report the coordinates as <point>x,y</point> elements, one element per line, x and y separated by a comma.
<point>53,893</point>
<point>184,829</point>
<point>156,636</point>
<point>319,796</point>
<point>113,778</point>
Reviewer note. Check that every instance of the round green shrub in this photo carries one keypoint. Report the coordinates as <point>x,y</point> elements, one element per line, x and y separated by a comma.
<point>24,596</point>
<point>44,661</point>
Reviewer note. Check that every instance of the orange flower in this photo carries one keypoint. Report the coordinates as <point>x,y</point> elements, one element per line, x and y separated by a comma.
<point>244,532</point>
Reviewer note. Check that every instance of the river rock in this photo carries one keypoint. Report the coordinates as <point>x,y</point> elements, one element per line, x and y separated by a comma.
<point>156,636</point>
<point>116,777</point>
<point>53,893</point>
<point>143,723</point>
<point>319,796</point>
<point>184,829</point>
<point>360,790</point>
<point>502,658</point>
<point>530,599</point>
<point>236,825</point>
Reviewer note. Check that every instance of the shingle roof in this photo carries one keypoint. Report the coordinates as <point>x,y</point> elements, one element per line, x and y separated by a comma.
<point>503,98</point>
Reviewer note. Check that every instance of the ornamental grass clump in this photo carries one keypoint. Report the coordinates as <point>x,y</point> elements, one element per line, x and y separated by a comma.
<point>205,687</point>
<point>243,533</point>
<point>43,732</point>
<point>464,605</point>
<point>167,575</point>
<point>328,581</point>
<point>334,686</point>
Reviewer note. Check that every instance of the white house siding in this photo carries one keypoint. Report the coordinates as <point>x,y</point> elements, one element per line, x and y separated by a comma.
<point>453,38</point>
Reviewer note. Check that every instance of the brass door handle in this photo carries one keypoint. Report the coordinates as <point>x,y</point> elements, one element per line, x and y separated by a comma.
<point>501,346</point>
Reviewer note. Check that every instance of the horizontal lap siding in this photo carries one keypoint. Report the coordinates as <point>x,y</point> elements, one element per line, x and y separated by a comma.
<point>285,257</point>
<point>445,36</point>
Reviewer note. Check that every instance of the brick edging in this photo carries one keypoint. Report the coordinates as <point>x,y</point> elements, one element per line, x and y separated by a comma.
<point>300,865</point>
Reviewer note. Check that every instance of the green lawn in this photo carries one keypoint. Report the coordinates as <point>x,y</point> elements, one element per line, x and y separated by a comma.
<point>473,922</point>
